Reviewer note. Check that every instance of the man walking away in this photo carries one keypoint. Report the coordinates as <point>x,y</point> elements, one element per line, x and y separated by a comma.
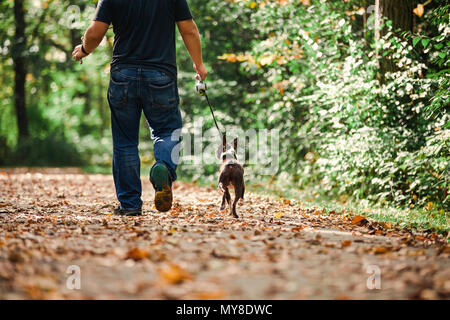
<point>144,78</point>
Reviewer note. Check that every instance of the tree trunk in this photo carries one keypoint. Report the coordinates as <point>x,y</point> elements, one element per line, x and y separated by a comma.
<point>20,69</point>
<point>400,12</point>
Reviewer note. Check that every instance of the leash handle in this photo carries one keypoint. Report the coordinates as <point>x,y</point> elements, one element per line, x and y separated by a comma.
<point>200,86</point>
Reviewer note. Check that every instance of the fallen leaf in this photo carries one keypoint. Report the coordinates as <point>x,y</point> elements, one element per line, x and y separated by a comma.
<point>420,238</point>
<point>211,295</point>
<point>359,220</point>
<point>414,253</point>
<point>278,215</point>
<point>380,250</point>
<point>346,243</point>
<point>137,254</point>
<point>174,274</point>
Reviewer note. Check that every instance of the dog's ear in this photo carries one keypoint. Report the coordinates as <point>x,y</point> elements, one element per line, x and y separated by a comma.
<point>224,143</point>
<point>235,141</point>
<point>219,152</point>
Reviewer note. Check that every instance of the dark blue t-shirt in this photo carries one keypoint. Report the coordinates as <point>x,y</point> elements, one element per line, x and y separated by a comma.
<point>144,31</point>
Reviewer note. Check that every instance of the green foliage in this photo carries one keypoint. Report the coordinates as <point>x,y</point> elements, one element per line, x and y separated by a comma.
<point>347,133</point>
<point>53,150</point>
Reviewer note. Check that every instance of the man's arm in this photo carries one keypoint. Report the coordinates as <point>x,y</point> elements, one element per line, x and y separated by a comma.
<point>91,40</point>
<point>189,32</point>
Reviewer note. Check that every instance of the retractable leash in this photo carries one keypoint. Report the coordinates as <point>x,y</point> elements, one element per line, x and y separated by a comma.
<point>201,88</point>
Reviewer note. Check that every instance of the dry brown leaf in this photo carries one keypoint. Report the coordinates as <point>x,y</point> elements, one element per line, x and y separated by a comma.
<point>419,11</point>
<point>420,238</point>
<point>414,253</point>
<point>380,250</point>
<point>346,243</point>
<point>174,274</point>
<point>211,295</point>
<point>278,215</point>
<point>137,254</point>
<point>359,220</point>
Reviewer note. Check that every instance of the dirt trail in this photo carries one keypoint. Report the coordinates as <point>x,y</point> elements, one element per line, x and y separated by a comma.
<point>52,219</point>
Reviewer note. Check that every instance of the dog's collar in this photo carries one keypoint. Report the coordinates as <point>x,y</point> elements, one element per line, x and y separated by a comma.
<point>229,154</point>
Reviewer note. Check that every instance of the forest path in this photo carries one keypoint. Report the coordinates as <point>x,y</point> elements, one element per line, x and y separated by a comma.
<point>53,218</point>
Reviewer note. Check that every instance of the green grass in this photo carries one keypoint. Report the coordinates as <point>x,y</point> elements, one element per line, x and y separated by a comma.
<point>404,218</point>
<point>145,170</point>
<point>97,169</point>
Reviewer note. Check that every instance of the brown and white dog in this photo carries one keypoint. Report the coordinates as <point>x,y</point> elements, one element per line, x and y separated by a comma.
<point>231,175</point>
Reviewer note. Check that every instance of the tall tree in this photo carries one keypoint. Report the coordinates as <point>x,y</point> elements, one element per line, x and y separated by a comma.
<point>400,12</point>
<point>20,70</point>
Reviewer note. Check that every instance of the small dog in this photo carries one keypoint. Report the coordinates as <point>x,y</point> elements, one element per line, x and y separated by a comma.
<point>231,174</point>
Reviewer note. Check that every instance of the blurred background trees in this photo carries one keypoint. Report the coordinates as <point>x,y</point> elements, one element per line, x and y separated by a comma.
<point>358,89</point>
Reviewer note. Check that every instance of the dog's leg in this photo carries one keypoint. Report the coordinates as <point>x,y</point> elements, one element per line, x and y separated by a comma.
<point>241,195</point>
<point>227,195</point>
<point>222,206</point>
<point>236,199</point>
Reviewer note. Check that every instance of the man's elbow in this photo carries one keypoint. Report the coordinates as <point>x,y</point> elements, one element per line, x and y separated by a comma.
<point>188,28</point>
<point>93,35</point>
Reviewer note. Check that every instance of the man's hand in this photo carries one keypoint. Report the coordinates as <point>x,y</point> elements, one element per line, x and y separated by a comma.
<point>78,54</point>
<point>92,38</point>
<point>201,70</point>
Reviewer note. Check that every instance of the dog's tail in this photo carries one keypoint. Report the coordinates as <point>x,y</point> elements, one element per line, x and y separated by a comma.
<point>232,165</point>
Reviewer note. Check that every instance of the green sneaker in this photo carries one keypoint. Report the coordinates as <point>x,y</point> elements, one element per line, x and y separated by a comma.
<point>163,191</point>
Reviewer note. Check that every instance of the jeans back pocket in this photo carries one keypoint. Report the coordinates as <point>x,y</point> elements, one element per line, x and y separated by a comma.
<point>163,95</point>
<point>118,93</point>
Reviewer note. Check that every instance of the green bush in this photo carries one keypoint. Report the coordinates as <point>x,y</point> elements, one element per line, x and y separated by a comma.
<point>347,133</point>
<point>53,150</point>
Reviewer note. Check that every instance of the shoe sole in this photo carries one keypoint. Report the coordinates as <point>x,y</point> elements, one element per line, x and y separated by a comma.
<point>129,214</point>
<point>163,198</point>
<point>132,214</point>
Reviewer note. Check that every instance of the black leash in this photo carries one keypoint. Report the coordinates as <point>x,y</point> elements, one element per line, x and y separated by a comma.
<point>214,117</point>
<point>201,88</point>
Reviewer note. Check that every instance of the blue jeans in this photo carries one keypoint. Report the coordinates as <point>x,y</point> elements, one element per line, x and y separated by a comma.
<point>133,89</point>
